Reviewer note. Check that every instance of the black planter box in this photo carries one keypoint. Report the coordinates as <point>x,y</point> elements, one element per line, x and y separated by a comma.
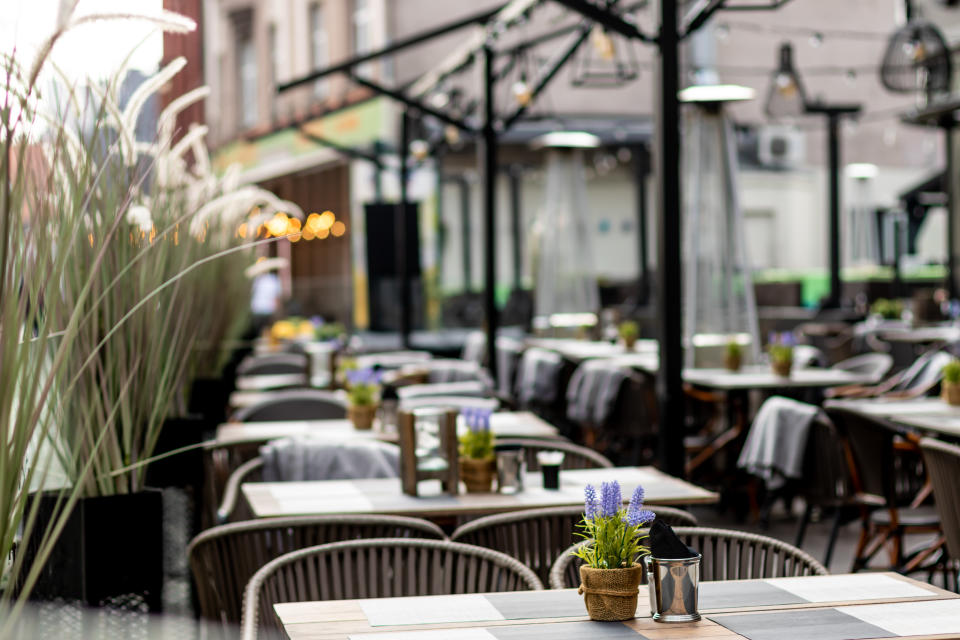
<point>109,554</point>
<point>209,398</point>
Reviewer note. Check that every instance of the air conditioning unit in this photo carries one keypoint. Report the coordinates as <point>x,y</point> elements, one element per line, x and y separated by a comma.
<point>781,147</point>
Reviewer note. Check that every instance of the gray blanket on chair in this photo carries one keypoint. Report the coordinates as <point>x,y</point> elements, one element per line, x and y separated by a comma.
<point>298,459</point>
<point>593,390</point>
<point>777,440</point>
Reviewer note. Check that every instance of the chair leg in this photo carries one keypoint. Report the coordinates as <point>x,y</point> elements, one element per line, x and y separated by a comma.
<point>834,533</point>
<point>802,528</point>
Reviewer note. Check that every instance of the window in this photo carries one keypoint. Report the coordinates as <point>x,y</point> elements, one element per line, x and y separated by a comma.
<point>361,21</point>
<point>246,55</point>
<point>319,57</point>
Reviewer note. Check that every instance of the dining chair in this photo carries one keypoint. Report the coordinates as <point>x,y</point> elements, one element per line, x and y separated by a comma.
<point>574,455</point>
<point>536,537</point>
<point>727,555</point>
<point>376,568</point>
<point>887,479</point>
<point>876,365</point>
<point>943,466</point>
<point>224,558</point>
<point>914,381</point>
<point>294,404</point>
<point>273,364</point>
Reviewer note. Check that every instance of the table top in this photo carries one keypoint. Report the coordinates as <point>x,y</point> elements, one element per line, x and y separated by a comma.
<point>838,607</point>
<point>920,335</point>
<point>931,415</point>
<point>273,499</point>
<point>578,350</point>
<point>270,381</point>
<point>245,398</point>
<point>762,377</point>
<point>504,424</point>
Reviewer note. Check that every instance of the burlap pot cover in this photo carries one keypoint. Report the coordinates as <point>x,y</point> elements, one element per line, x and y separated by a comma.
<point>477,475</point>
<point>782,367</point>
<point>950,393</point>
<point>732,362</point>
<point>610,594</point>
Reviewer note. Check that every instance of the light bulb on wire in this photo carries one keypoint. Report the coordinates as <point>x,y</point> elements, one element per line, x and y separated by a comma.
<point>521,91</point>
<point>602,43</point>
<point>419,149</point>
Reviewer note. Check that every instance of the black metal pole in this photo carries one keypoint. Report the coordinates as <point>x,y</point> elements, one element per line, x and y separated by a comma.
<point>488,163</point>
<point>833,159</point>
<point>952,206</point>
<point>400,231</point>
<point>466,235</point>
<point>899,218</point>
<point>641,167</point>
<point>670,378</point>
<point>516,213</point>
<point>378,173</point>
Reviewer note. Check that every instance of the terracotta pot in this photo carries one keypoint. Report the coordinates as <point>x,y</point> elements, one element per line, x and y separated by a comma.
<point>478,474</point>
<point>950,392</point>
<point>629,342</point>
<point>610,594</point>
<point>362,416</point>
<point>732,362</point>
<point>782,367</point>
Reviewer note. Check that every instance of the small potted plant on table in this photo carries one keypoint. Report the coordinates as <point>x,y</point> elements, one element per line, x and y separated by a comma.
<point>477,462</point>
<point>733,356</point>
<point>950,385</point>
<point>363,387</point>
<point>611,573</point>
<point>781,354</point>
<point>629,331</point>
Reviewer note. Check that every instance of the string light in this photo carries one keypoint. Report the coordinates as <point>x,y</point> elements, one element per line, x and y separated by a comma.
<point>338,229</point>
<point>602,43</point>
<point>419,149</point>
<point>521,91</point>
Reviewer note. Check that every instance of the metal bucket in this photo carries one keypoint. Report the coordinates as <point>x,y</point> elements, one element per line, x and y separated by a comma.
<point>673,586</point>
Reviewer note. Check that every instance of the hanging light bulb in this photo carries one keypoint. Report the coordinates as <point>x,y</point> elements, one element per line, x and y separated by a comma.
<point>521,90</point>
<point>723,31</point>
<point>786,97</point>
<point>851,76</point>
<point>816,39</point>
<point>451,134</point>
<point>419,149</point>
<point>603,43</point>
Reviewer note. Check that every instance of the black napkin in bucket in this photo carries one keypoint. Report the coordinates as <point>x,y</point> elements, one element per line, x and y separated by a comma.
<point>664,543</point>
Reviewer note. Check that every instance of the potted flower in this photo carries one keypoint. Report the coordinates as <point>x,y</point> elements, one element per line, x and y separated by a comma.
<point>887,309</point>
<point>733,356</point>
<point>781,354</point>
<point>950,386</point>
<point>629,331</point>
<point>363,387</point>
<point>477,463</point>
<point>611,574</point>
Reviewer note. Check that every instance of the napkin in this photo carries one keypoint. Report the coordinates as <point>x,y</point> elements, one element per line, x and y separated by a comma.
<point>664,543</point>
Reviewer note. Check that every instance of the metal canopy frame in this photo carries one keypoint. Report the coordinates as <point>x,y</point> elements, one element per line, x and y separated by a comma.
<point>478,47</point>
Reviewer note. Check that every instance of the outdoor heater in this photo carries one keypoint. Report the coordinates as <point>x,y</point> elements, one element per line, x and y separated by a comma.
<point>567,296</point>
<point>719,302</point>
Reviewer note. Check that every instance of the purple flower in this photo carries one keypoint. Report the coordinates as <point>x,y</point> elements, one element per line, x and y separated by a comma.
<point>611,499</point>
<point>363,376</point>
<point>591,504</point>
<point>636,500</point>
<point>639,516</point>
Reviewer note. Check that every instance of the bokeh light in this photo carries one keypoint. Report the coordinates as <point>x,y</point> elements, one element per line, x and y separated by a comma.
<point>338,228</point>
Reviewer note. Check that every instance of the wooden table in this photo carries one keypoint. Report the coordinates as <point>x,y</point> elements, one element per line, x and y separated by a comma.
<point>273,499</point>
<point>929,415</point>
<point>780,608</point>
<point>505,425</point>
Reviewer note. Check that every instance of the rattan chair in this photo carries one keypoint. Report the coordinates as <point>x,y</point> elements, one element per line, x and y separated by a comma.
<point>296,404</point>
<point>888,479</point>
<point>273,364</point>
<point>378,568</point>
<point>224,558</point>
<point>943,468</point>
<point>575,456</point>
<point>727,555</point>
<point>536,537</point>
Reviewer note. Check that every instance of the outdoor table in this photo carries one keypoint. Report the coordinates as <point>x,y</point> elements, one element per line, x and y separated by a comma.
<point>466,388</point>
<point>241,399</point>
<point>383,495</point>
<point>929,415</point>
<point>505,425</point>
<point>837,607</point>
<point>269,381</point>
<point>762,377</point>
<point>580,350</point>
<point>920,335</point>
